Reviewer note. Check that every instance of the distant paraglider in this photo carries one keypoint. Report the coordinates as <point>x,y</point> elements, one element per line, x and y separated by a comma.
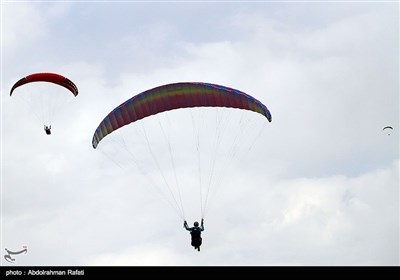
<point>45,99</point>
<point>389,128</point>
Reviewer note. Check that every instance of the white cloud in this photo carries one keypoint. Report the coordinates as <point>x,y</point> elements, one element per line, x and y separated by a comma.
<point>319,187</point>
<point>141,256</point>
<point>25,23</point>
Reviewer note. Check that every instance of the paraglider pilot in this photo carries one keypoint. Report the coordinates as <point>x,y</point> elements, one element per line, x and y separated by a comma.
<point>47,129</point>
<point>195,232</point>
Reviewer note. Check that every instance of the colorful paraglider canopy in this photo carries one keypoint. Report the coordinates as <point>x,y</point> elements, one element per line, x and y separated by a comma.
<point>47,77</point>
<point>175,96</point>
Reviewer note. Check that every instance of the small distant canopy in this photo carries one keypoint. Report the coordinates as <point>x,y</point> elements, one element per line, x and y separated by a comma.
<point>388,129</point>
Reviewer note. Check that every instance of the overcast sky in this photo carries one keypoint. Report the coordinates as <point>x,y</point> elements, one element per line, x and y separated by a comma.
<point>320,185</point>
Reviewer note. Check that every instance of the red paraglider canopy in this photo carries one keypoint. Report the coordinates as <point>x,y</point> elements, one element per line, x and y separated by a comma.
<point>47,77</point>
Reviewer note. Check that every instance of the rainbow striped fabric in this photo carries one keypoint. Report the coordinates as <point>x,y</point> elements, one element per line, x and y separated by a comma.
<point>175,96</point>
